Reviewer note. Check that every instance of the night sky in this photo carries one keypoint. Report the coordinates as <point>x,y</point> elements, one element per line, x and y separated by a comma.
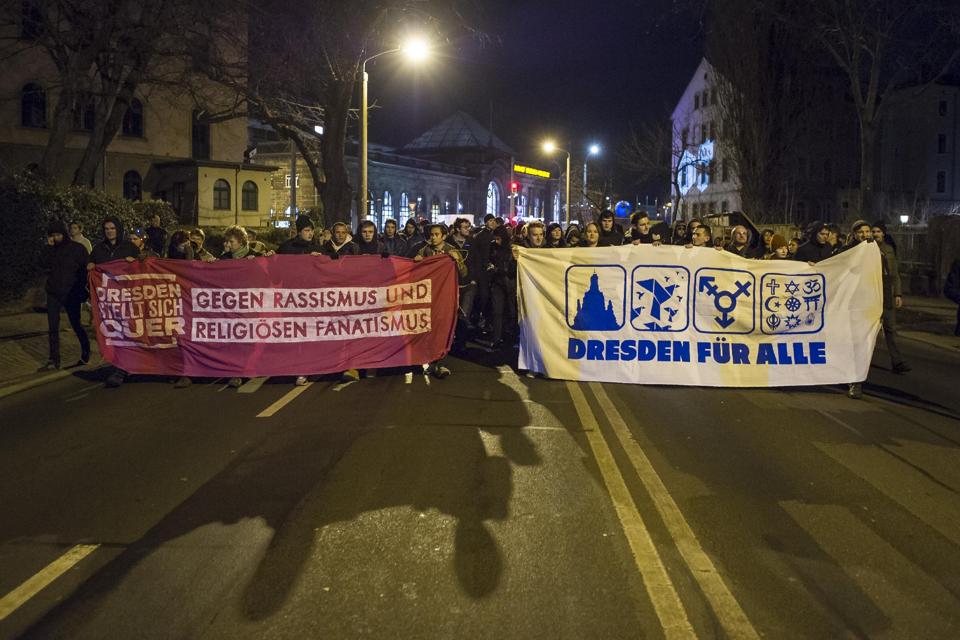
<point>574,71</point>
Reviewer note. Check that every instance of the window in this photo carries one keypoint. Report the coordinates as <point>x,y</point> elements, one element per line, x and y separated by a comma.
<point>434,209</point>
<point>725,171</point>
<point>221,194</point>
<point>713,132</point>
<point>33,106</point>
<point>176,198</point>
<point>683,177</point>
<point>286,181</point>
<point>493,198</point>
<point>371,207</point>
<point>132,186</point>
<point>724,207</point>
<point>556,207</point>
<point>83,113</point>
<point>685,136</point>
<point>941,143</point>
<point>387,205</point>
<point>941,182</point>
<point>713,96</point>
<point>704,171</point>
<point>133,119</point>
<point>31,20</point>
<point>404,205</point>
<point>696,101</point>
<point>703,133</point>
<point>943,108</point>
<point>200,139</point>
<point>249,196</point>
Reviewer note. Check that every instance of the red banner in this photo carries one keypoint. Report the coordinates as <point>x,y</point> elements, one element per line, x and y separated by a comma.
<point>283,315</point>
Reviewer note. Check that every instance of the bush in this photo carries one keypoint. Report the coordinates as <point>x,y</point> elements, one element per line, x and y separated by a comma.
<point>28,205</point>
<point>146,210</point>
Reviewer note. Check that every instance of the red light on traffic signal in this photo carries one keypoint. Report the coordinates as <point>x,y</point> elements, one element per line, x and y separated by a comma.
<point>514,187</point>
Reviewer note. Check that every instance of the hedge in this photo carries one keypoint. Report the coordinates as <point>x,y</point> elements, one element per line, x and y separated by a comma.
<point>28,205</point>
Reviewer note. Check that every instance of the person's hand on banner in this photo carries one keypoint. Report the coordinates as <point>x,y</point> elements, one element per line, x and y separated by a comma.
<point>417,258</point>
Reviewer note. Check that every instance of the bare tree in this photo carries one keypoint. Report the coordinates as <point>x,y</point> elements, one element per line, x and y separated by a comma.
<point>663,151</point>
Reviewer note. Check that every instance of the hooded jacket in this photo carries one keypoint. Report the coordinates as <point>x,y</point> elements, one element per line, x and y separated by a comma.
<point>297,245</point>
<point>104,251</point>
<point>395,246</point>
<point>67,262</point>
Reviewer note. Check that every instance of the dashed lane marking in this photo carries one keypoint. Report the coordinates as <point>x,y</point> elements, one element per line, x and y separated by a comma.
<point>661,591</point>
<point>728,611</point>
<point>16,598</point>
<point>252,385</point>
<point>286,399</point>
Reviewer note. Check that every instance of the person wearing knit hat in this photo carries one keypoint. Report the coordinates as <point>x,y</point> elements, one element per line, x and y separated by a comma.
<point>66,290</point>
<point>778,248</point>
<point>303,221</point>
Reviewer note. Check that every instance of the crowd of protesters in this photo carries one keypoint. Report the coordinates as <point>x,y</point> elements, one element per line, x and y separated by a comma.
<point>485,256</point>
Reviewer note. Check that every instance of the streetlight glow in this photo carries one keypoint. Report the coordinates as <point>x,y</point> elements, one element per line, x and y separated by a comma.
<point>549,146</point>
<point>594,149</point>
<point>416,49</point>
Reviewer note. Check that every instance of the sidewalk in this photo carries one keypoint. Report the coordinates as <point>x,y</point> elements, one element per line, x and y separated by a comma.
<point>24,349</point>
<point>929,320</point>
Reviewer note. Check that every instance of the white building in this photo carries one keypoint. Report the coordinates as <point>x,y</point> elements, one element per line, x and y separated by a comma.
<point>705,179</point>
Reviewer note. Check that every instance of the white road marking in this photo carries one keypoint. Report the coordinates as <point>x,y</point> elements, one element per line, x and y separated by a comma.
<point>666,602</point>
<point>252,385</point>
<point>289,397</point>
<point>16,598</point>
<point>725,606</point>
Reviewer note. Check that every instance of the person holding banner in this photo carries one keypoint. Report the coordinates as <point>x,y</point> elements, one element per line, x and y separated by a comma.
<point>340,243</point>
<point>66,289</point>
<point>438,245</point>
<point>368,244</point>
<point>591,237</point>
<point>892,294</point>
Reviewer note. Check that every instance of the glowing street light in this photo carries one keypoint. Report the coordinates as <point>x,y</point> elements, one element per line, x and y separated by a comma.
<point>549,147</point>
<point>414,49</point>
<point>592,150</point>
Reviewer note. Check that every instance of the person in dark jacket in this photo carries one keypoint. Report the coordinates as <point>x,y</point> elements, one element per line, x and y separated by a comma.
<point>180,247</point>
<point>555,239</point>
<point>892,296</point>
<point>114,246</point>
<point>817,248</point>
<point>951,289</point>
<point>393,242</point>
<point>200,252</point>
<point>639,229</point>
<point>739,242</point>
<point>503,285</point>
<point>139,239</point>
<point>611,233</point>
<point>302,243</point>
<point>339,244</point>
<point>237,244</point>
<point>155,235</point>
<point>66,289</point>
<point>367,242</point>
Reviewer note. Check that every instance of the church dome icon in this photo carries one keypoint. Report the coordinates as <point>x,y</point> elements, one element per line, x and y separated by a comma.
<point>595,311</point>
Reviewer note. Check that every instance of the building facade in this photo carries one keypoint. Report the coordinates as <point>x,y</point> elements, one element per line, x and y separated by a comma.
<point>166,148</point>
<point>455,169</point>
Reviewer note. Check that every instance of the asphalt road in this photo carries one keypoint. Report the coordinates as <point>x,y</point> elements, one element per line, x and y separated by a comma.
<point>486,505</point>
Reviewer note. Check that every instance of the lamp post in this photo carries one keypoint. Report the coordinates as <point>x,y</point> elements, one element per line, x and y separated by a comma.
<point>592,150</point>
<point>550,147</point>
<point>415,50</point>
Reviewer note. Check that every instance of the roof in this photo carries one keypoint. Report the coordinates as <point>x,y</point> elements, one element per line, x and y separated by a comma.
<point>459,131</point>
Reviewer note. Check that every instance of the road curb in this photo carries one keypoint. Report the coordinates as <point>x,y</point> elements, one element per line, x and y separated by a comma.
<point>951,343</point>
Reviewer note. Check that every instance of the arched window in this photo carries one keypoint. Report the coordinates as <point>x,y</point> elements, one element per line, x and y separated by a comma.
<point>200,139</point>
<point>249,195</point>
<point>371,207</point>
<point>33,106</point>
<point>404,205</point>
<point>521,206</point>
<point>493,198</point>
<point>132,186</point>
<point>435,209</point>
<point>221,194</point>
<point>133,119</point>
<point>556,207</point>
<point>387,206</point>
<point>421,204</point>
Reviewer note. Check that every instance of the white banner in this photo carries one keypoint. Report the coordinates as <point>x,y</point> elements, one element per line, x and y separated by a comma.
<point>698,316</point>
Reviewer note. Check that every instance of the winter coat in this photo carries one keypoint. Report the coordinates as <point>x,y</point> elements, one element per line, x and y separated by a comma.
<point>348,248</point>
<point>395,246</point>
<point>448,249</point>
<point>298,246</point>
<point>155,238</point>
<point>813,251</point>
<point>67,279</point>
<point>891,275</point>
<point>103,251</point>
<point>373,248</point>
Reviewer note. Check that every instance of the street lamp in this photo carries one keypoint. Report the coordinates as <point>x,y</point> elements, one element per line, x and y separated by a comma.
<point>593,150</point>
<point>415,50</point>
<point>549,147</point>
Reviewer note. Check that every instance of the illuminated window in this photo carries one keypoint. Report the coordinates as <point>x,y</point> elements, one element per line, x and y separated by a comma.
<point>521,205</point>
<point>404,204</point>
<point>286,181</point>
<point>83,113</point>
<point>387,205</point>
<point>435,209</point>
<point>493,198</point>
<point>556,207</point>
<point>221,194</point>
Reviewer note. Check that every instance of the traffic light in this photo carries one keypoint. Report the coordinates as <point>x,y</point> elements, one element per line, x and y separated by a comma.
<point>514,187</point>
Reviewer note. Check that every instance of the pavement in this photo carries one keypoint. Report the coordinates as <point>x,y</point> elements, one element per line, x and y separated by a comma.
<point>486,505</point>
